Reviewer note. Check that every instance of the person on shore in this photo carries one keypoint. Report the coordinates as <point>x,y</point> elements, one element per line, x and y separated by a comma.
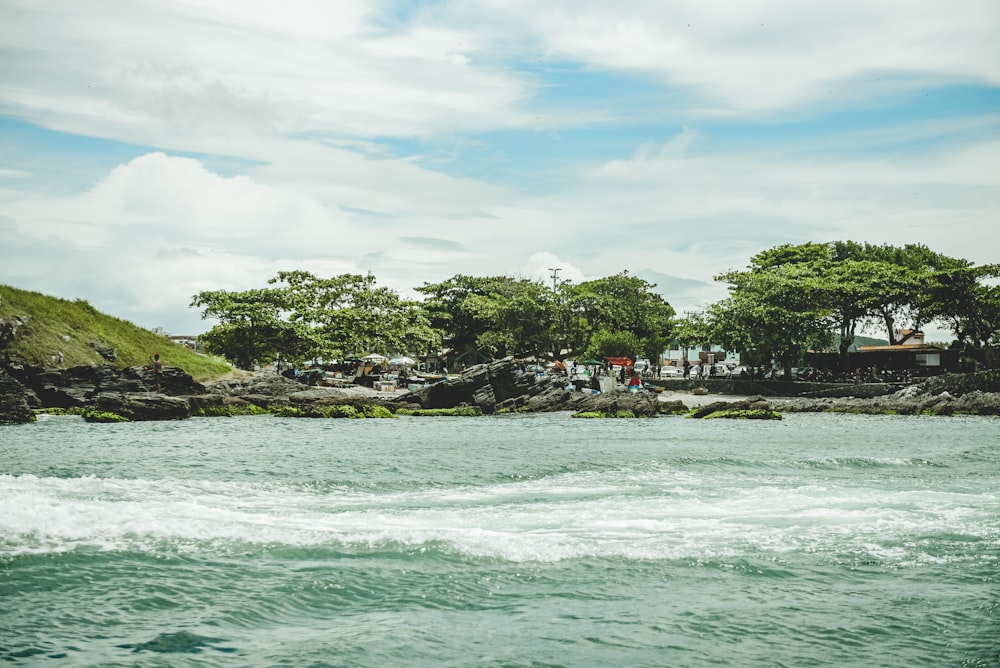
<point>157,370</point>
<point>634,383</point>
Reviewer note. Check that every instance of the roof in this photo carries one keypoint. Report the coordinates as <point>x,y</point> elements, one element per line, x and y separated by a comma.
<point>899,347</point>
<point>620,361</point>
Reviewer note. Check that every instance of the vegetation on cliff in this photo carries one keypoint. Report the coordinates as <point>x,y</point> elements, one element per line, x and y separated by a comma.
<point>59,333</point>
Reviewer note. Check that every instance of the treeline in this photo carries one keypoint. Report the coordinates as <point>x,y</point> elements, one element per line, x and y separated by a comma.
<point>789,299</point>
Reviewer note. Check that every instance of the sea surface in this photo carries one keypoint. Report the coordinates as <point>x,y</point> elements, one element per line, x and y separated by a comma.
<point>518,540</point>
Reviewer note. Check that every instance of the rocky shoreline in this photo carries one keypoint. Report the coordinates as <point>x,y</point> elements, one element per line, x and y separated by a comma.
<point>497,387</point>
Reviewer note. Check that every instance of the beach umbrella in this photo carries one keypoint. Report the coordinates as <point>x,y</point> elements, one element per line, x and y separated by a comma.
<point>591,361</point>
<point>374,356</point>
<point>402,361</point>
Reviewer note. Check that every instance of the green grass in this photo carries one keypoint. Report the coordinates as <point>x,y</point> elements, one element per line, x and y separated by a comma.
<point>71,329</point>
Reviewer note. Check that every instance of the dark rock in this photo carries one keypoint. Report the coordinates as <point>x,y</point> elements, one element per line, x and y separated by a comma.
<point>14,408</point>
<point>258,384</point>
<point>201,403</point>
<point>675,407</point>
<point>325,397</point>
<point>173,381</point>
<point>142,406</point>
<point>912,400</point>
<point>128,392</point>
<point>498,386</point>
<point>104,350</point>
<point>641,404</point>
<point>76,386</point>
<point>489,386</point>
<point>750,403</point>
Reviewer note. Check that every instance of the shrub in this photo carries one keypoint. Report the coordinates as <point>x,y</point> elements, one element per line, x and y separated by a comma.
<point>373,411</point>
<point>343,411</point>
<point>102,416</point>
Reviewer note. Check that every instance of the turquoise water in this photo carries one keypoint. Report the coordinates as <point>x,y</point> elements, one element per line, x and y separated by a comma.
<point>526,540</point>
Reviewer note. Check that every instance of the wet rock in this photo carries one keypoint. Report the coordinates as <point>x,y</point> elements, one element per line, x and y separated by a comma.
<point>488,386</point>
<point>14,408</point>
<point>499,387</point>
<point>142,406</point>
<point>755,403</point>
<point>258,384</point>
<point>173,381</point>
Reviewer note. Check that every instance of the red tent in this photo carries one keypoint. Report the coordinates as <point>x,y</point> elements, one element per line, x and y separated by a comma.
<point>620,361</point>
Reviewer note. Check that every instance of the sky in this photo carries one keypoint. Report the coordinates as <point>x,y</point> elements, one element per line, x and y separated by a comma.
<point>153,149</point>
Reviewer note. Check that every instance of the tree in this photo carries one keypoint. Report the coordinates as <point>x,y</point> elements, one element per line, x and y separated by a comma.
<point>851,285</point>
<point>775,312</point>
<point>350,314</point>
<point>618,304</point>
<point>605,343</point>
<point>500,315</point>
<point>959,298</point>
<point>251,327</point>
<point>692,331</point>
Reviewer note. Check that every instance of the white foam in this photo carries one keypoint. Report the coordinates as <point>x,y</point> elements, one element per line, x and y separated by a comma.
<point>652,514</point>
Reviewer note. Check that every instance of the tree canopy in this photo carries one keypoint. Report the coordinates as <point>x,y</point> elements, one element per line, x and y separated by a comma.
<point>794,297</point>
<point>789,298</point>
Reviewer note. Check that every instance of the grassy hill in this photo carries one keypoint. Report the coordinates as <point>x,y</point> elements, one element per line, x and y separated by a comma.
<point>58,333</point>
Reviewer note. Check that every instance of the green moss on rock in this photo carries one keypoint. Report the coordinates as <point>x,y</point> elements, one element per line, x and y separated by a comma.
<point>601,414</point>
<point>458,411</point>
<point>102,416</point>
<point>373,411</point>
<point>745,414</point>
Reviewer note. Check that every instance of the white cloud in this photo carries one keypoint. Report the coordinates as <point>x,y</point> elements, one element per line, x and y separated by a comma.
<point>541,266</point>
<point>315,98</point>
<point>237,74</point>
<point>769,54</point>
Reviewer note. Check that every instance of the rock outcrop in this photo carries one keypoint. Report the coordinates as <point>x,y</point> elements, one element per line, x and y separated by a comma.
<point>755,403</point>
<point>14,408</point>
<point>78,386</point>
<point>500,387</point>
<point>910,401</point>
<point>490,388</point>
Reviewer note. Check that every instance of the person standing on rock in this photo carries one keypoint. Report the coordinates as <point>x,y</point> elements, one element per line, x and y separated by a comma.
<point>157,370</point>
<point>634,383</point>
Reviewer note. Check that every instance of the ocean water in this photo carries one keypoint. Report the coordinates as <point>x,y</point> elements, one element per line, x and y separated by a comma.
<point>521,540</point>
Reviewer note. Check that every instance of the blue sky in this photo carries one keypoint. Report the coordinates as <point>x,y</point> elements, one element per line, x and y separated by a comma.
<point>150,150</point>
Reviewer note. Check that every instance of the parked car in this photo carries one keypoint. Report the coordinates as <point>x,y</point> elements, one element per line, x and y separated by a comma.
<point>670,371</point>
<point>721,370</point>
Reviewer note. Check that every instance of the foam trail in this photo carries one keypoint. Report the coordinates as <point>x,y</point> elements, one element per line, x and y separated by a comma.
<point>652,515</point>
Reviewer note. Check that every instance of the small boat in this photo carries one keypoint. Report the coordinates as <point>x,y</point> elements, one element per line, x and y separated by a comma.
<point>700,390</point>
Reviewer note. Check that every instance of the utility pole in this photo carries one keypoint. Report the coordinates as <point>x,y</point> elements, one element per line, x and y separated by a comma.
<point>555,274</point>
